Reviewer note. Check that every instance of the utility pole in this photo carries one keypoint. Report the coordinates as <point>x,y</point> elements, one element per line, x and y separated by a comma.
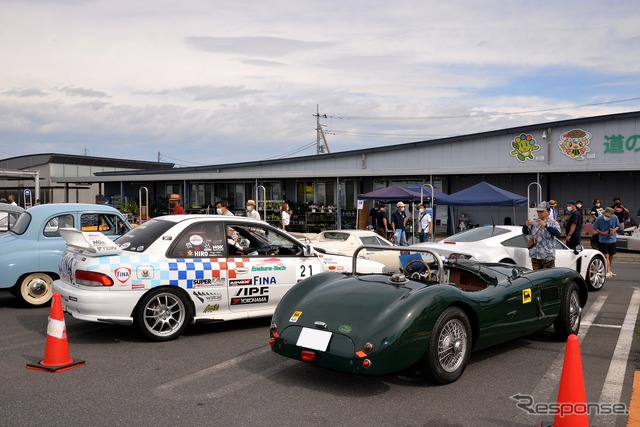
<point>321,140</point>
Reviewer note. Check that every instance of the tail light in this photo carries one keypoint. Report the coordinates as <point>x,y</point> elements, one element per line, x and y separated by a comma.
<point>308,356</point>
<point>92,278</point>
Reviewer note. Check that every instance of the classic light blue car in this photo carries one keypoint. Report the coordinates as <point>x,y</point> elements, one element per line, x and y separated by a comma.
<point>31,250</point>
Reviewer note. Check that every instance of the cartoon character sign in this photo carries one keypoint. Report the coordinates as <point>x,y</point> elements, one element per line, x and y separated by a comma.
<point>575,143</point>
<point>524,146</point>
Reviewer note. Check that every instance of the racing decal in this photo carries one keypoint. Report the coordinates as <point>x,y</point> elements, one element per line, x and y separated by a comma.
<point>196,240</point>
<point>295,316</point>
<point>269,280</point>
<point>145,272</point>
<point>122,274</point>
<point>251,296</point>
<point>211,308</point>
<point>240,282</point>
<point>205,283</point>
<point>66,267</point>
<point>345,329</point>
<point>269,264</point>
<point>526,296</point>
<point>207,296</point>
<point>137,286</point>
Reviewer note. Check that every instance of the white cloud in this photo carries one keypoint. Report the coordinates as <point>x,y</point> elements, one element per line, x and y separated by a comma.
<point>199,79</point>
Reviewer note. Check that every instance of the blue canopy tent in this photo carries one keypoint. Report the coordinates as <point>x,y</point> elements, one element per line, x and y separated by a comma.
<point>392,193</point>
<point>414,193</point>
<point>484,194</point>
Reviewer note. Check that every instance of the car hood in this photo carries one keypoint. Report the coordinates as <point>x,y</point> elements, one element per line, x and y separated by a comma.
<point>471,248</point>
<point>359,303</point>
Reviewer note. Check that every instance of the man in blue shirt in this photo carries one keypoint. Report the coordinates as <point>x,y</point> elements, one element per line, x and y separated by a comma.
<point>606,227</point>
<point>543,232</point>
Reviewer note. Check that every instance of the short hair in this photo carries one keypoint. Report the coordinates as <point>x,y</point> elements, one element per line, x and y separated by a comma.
<point>222,204</point>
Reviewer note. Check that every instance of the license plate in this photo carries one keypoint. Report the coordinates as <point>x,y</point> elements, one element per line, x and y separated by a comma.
<point>314,339</point>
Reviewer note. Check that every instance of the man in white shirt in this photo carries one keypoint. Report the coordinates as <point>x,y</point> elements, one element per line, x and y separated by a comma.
<point>424,223</point>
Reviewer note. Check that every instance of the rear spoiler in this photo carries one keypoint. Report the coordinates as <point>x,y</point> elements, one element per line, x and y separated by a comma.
<point>90,241</point>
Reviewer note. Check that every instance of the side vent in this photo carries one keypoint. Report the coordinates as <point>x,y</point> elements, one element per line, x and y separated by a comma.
<point>549,294</point>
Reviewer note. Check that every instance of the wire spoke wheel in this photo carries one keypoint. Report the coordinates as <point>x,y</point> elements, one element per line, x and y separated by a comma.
<point>452,345</point>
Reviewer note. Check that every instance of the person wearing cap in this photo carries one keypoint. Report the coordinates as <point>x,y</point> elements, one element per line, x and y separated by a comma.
<point>554,209</point>
<point>252,212</point>
<point>543,231</point>
<point>398,222</point>
<point>174,200</point>
<point>573,225</point>
<point>606,227</point>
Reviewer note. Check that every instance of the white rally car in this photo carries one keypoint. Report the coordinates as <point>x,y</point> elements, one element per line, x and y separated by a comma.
<point>176,270</point>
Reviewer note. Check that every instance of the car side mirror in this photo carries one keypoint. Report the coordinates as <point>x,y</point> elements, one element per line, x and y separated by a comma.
<point>578,249</point>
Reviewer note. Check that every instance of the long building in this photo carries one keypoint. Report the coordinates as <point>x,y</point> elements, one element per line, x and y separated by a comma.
<point>586,158</point>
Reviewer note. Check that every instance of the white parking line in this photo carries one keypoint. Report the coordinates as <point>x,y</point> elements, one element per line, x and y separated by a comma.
<point>612,389</point>
<point>168,389</point>
<point>545,391</point>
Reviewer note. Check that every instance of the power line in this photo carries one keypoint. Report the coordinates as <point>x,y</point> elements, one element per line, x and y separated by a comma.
<point>468,116</point>
<point>292,152</point>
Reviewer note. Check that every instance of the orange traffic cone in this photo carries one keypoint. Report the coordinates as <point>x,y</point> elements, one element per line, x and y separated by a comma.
<point>572,399</point>
<point>56,353</point>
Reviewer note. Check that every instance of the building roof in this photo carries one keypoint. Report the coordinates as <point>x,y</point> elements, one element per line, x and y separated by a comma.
<point>32,160</point>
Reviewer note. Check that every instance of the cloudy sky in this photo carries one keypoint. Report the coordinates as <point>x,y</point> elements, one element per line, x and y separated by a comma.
<point>214,82</point>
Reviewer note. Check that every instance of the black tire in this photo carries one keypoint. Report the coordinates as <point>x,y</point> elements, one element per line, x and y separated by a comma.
<point>596,273</point>
<point>568,320</point>
<point>595,242</point>
<point>449,348</point>
<point>163,314</point>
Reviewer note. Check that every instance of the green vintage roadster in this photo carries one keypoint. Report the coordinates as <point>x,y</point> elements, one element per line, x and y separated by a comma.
<point>431,314</point>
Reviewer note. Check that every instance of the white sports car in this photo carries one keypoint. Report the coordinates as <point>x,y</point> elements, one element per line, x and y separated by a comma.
<point>507,244</point>
<point>345,242</point>
<point>175,270</point>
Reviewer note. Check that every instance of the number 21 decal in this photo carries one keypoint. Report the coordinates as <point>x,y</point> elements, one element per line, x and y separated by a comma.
<point>304,272</point>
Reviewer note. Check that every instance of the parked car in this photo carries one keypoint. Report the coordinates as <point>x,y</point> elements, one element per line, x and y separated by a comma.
<point>507,244</point>
<point>345,242</point>
<point>175,270</point>
<point>31,250</point>
<point>629,240</point>
<point>432,314</point>
<point>8,216</point>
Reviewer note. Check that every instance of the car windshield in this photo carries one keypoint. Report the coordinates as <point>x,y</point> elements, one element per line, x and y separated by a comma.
<point>332,235</point>
<point>477,234</point>
<point>140,238</point>
<point>21,224</point>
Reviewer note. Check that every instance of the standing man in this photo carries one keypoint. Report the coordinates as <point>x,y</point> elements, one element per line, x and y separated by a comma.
<point>424,223</point>
<point>174,200</point>
<point>222,208</point>
<point>12,200</point>
<point>573,225</point>
<point>373,216</point>
<point>619,210</point>
<point>606,226</point>
<point>398,222</point>
<point>382,226</point>
<point>252,212</point>
<point>554,209</point>
<point>543,231</point>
